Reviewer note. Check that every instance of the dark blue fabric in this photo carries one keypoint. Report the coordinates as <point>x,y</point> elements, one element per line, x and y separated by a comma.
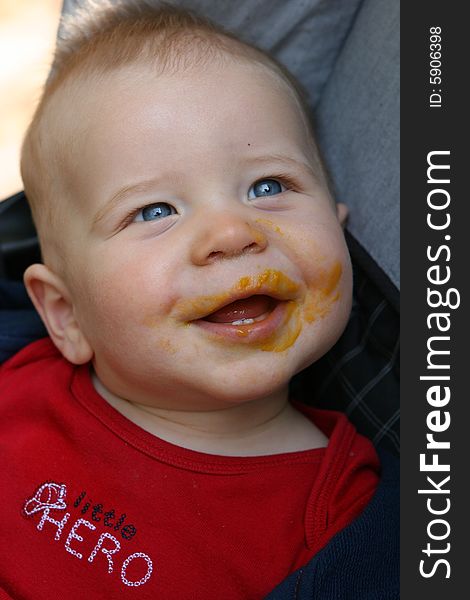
<point>362,561</point>
<point>19,322</point>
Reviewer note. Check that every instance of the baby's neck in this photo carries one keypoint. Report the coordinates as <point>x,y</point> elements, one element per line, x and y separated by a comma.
<point>266,426</point>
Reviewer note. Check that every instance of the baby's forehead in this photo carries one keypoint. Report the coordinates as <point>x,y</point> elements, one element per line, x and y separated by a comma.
<point>90,101</point>
<point>87,85</point>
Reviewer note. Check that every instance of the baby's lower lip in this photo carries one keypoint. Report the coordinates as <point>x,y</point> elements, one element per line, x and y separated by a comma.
<point>258,331</point>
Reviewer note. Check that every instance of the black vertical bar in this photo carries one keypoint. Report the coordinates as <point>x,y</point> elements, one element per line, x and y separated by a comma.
<point>433,119</point>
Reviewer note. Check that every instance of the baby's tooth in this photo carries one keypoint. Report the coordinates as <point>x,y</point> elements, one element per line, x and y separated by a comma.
<point>243,322</point>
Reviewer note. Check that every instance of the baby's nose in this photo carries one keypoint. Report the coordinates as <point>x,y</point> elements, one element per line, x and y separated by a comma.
<point>226,236</point>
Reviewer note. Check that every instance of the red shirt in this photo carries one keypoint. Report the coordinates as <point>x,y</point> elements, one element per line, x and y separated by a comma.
<point>94,507</point>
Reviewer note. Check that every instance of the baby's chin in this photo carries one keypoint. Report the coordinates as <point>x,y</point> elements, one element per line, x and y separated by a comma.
<point>262,375</point>
<point>209,391</point>
<point>214,378</point>
<point>230,386</point>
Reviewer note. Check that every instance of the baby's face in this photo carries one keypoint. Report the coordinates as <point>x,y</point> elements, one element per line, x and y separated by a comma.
<point>205,257</point>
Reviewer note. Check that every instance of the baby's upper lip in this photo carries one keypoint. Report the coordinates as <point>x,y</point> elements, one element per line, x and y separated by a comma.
<point>271,283</point>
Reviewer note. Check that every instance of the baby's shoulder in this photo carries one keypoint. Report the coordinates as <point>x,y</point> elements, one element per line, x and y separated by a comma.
<point>30,376</point>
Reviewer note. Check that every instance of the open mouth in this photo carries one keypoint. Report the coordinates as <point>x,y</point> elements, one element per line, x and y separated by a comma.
<point>244,312</point>
<point>258,309</point>
<point>246,320</point>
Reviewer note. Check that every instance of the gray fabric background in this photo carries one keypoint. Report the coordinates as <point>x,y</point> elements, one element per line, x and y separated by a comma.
<point>358,121</point>
<point>305,35</point>
<point>346,54</point>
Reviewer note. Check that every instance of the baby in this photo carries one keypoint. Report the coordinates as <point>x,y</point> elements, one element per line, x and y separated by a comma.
<point>194,261</point>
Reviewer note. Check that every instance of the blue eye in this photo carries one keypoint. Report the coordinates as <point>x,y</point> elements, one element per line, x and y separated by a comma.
<point>265,187</point>
<point>154,212</point>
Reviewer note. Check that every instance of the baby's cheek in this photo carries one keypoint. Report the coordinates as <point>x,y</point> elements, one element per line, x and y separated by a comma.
<point>323,292</point>
<point>325,309</point>
<point>138,289</point>
<point>326,270</point>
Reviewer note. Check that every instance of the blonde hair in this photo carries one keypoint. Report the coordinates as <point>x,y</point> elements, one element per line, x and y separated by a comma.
<point>102,36</point>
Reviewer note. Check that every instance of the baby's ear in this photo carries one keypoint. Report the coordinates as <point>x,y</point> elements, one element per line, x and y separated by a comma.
<point>53,302</point>
<point>342,213</point>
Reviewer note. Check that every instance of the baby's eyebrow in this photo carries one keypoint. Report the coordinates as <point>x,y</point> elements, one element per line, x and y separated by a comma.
<point>283,161</point>
<point>123,193</point>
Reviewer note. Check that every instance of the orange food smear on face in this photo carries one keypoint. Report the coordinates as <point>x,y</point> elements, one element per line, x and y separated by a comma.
<point>319,298</point>
<point>242,332</point>
<point>166,345</point>
<point>332,278</point>
<point>270,224</point>
<point>258,236</point>
<point>243,283</point>
<point>285,336</point>
<point>316,304</point>
<point>203,305</point>
<point>271,280</point>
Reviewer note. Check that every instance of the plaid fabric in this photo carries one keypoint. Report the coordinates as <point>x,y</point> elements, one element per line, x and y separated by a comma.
<point>360,374</point>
